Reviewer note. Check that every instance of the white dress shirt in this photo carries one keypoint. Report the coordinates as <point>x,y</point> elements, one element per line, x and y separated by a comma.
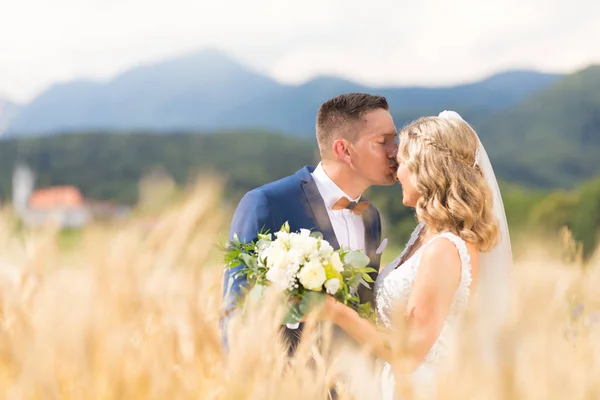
<point>348,227</point>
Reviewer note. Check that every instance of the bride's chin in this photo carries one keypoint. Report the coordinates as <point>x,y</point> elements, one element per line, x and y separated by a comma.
<point>403,197</point>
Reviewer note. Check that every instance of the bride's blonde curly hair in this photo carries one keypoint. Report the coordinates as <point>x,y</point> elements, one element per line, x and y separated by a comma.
<point>440,155</point>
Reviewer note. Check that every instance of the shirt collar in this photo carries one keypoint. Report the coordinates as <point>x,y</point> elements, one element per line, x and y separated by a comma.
<point>327,187</point>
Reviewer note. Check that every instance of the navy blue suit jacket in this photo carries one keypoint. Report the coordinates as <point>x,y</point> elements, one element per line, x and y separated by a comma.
<point>297,200</point>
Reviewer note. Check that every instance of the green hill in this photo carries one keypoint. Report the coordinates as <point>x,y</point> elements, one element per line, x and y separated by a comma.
<point>552,138</point>
<point>109,166</point>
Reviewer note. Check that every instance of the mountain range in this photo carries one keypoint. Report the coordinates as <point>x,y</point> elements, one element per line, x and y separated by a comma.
<point>540,129</point>
<point>209,91</point>
<point>552,137</point>
<point>7,111</point>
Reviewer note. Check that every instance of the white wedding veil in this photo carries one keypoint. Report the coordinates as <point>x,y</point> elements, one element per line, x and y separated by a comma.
<point>495,266</point>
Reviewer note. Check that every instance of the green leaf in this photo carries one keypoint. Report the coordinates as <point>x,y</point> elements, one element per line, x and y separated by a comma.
<point>248,260</point>
<point>356,259</point>
<point>367,278</point>
<point>265,237</point>
<point>366,311</point>
<point>265,232</point>
<point>256,292</point>
<point>294,315</point>
<point>310,300</point>
<point>307,303</point>
<point>317,235</point>
<point>236,240</point>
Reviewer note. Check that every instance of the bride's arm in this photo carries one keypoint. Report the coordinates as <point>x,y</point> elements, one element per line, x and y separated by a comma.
<point>430,300</point>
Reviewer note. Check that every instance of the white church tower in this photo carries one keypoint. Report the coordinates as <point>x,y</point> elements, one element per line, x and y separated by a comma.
<point>23,184</point>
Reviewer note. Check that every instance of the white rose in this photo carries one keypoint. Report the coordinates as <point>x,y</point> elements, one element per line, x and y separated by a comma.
<point>314,256</point>
<point>336,262</point>
<point>325,250</point>
<point>332,286</point>
<point>304,243</point>
<point>262,245</point>
<point>295,255</point>
<point>283,237</point>
<point>312,276</point>
<point>304,232</point>
<point>277,261</point>
<point>276,256</point>
<point>277,277</point>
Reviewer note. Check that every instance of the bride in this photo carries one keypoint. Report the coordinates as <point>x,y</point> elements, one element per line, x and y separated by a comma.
<point>460,244</point>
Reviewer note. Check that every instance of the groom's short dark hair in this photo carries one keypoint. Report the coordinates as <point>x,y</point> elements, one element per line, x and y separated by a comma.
<point>337,116</point>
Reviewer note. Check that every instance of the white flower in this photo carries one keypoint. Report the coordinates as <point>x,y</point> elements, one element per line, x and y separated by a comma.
<point>312,275</point>
<point>314,256</point>
<point>332,286</point>
<point>277,277</point>
<point>276,255</point>
<point>325,250</point>
<point>304,243</point>
<point>277,263</point>
<point>304,232</point>
<point>336,262</point>
<point>283,237</point>
<point>296,255</point>
<point>264,241</point>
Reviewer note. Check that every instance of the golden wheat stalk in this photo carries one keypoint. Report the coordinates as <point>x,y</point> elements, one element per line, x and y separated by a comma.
<point>134,313</point>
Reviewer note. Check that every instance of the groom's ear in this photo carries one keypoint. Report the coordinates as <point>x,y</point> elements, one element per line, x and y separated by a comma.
<point>341,150</point>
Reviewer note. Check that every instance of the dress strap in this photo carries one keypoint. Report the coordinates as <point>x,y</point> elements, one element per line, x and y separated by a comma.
<point>463,252</point>
<point>411,242</point>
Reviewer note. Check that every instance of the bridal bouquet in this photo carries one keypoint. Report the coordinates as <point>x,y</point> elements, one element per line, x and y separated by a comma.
<point>304,267</point>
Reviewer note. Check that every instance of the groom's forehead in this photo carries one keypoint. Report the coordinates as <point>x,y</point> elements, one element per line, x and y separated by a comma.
<point>379,131</point>
<point>379,122</point>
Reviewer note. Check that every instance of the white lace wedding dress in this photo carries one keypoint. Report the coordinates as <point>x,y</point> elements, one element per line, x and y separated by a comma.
<point>392,289</point>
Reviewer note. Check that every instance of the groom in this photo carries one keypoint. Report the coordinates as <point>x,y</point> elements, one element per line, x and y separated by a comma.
<point>356,136</point>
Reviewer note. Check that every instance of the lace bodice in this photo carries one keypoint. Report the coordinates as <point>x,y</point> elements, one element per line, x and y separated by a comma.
<point>394,285</point>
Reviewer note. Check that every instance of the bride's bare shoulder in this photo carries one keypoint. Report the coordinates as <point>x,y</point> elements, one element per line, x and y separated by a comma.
<point>443,257</point>
<point>440,261</point>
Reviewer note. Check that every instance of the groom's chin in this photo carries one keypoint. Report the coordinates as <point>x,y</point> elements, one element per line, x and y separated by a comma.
<point>389,180</point>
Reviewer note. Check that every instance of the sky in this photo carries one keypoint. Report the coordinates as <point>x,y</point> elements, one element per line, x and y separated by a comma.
<point>386,42</point>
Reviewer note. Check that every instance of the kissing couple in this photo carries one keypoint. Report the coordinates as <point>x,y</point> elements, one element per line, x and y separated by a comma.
<point>460,246</point>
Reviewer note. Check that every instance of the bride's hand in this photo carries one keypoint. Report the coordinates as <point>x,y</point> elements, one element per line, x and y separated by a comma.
<point>329,311</point>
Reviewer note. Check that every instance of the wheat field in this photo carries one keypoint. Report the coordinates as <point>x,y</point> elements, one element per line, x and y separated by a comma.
<point>132,312</point>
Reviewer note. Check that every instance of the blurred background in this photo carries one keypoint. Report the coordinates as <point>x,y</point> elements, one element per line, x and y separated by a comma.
<point>108,109</point>
<point>137,125</point>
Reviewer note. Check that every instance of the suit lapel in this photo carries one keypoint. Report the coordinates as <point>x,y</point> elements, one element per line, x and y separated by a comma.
<point>317,207</point>
<point>371,233</point>
<point>372,237</point>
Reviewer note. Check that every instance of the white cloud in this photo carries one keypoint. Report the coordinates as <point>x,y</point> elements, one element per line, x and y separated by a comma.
<point>455,42</point>
<point>384,42</point>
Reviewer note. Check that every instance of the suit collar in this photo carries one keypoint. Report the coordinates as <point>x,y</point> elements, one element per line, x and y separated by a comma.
<point>329,190</point>
<point>317,206</point>
<point>304,174</point>
<point>321,217</point>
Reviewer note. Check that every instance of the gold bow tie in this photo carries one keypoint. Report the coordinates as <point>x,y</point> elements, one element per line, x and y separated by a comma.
<point>357,208</point>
